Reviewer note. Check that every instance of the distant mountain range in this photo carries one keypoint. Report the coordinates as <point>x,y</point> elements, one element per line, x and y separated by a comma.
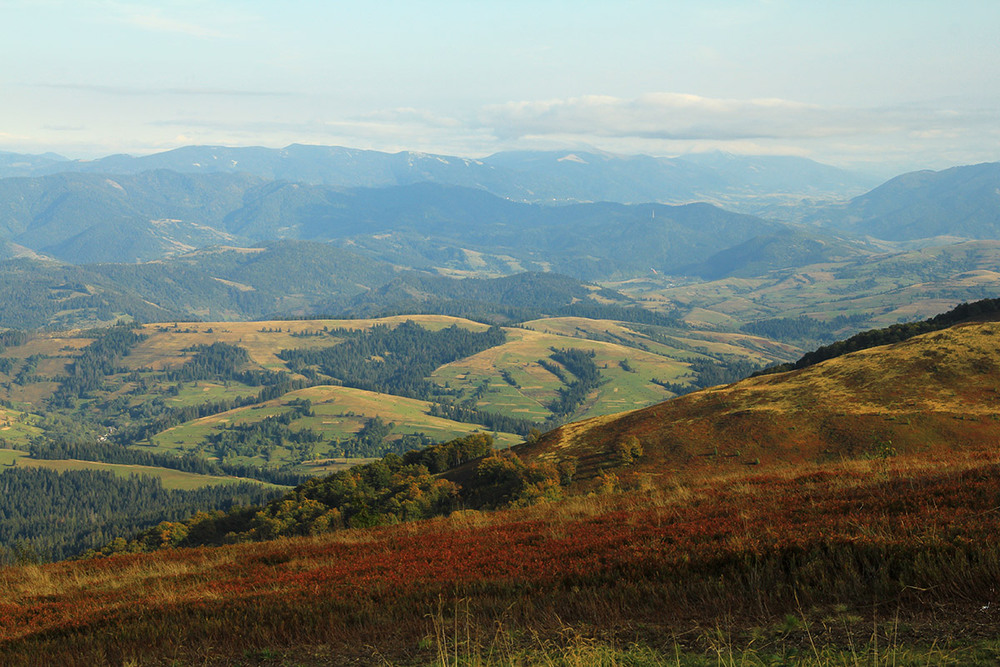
<point>194,217</point>
<point>530,176</point>
<point>87,218</point>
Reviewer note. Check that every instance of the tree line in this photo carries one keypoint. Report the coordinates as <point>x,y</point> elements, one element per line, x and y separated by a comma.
<point>108,452</point>
<point>705,373</point>
<point>97,361</point>
<point>210,362</point>
<point>395,488</point>
<point>49,515</point>
<point>573,392</point>
<point>494,421</point>
<point>392,360</point>
<point>802,327</point>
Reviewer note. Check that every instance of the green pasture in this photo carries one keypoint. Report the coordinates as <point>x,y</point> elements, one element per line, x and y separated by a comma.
<point>195,393</point>
<point>17,427</point>
<point>171,479</point>
<point>185,436</point>
<point>538,387</point>
<point>338,413</point>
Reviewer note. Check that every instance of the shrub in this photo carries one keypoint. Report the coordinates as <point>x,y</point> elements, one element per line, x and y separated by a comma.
<point>628,450</point>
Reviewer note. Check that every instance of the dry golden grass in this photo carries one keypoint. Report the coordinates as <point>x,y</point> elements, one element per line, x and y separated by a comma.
<point>937,391</point>
<point>64,344</point>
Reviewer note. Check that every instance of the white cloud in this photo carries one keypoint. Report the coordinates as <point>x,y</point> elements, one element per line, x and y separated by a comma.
<point>156,21</point>
<point>682,117</point>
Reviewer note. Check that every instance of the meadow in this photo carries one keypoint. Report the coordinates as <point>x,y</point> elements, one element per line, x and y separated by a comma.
<point>535,387</point>
<point>339,413</point>
<point>171,479</point>
<point>513,379</point>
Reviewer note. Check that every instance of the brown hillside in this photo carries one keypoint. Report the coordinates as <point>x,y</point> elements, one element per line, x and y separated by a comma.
<point>939,390</point>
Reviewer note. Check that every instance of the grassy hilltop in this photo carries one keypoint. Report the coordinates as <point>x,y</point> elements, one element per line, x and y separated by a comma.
<point>932,393</point>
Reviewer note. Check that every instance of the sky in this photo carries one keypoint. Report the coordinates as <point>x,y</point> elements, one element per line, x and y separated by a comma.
<point>875,85</point>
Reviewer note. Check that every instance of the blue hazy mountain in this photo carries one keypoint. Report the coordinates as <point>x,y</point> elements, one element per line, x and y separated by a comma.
<point>531,176</point>
<point>961,201</point>
<point>86,218</point>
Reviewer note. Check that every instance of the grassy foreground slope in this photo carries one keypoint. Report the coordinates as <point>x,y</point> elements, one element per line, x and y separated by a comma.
<point>844,563</point>
<point>850,537</point>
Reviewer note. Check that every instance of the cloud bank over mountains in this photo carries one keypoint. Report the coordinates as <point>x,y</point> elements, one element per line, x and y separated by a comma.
<point>663,123</point>
<point>854,85</point>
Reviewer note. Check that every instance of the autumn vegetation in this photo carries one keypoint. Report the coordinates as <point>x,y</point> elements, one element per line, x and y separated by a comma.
<point>841,513</point>
<point>836,547</point>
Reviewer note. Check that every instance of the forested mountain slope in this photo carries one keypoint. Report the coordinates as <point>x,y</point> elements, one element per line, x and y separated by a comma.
<point>94,218</point>
<point>961,201</point>
<point>218,283</point>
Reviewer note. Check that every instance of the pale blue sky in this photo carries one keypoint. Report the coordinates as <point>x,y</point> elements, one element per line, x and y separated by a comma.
<point>909,84</point>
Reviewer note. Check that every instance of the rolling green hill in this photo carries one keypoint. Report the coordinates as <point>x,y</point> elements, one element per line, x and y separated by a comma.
<point>94,218</point>
<point>151,389</point>
<point>290,278</point>
<point>786,249</point>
